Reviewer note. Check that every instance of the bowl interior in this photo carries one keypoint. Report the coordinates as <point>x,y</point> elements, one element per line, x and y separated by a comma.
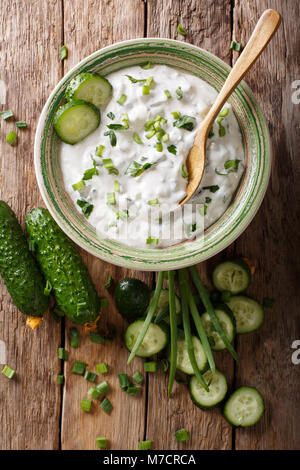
<point>247,198</point>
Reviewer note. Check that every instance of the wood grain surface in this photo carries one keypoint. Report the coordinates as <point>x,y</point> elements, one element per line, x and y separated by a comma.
<point>34,413</point>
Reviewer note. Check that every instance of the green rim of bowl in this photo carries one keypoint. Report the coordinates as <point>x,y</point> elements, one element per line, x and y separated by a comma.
<point>246,201</point>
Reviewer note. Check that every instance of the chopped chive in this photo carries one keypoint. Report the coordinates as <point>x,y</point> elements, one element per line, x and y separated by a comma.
<point>101,442</point>
<point>176,114</point>
<point>111,116</point>
<point>122,214</point>
<point>116,127</point>
<point>21,124</point>
<point>213,189</point>
<point>181,30</point>
<point>138,377</point>
<point>110,199</point>
<point>62,354</point>
<point>63,52</point>
<point>79,368</point>
<point>85,206</point>
<point>168,94</point>
<point>93,393</point>
<point>86,405</point>
<point>159,146</point>
<point>108,283</point>
<point>11,138</point>
<point>106,405</point>
<point>151,134</point>
<point>102,368</point>
<point>124,381</point>
<point>78,186</point>
<point>146,90</point>
<point>224,112</point>
<point>149,81</point>
<point>60,379</point>
<point>48,288</point>
<point>146,66</point>
<point>8,372</point>
<point>122,99</point>
<point>108,163</point>
<point>133,390</point>
<point>184,173</point>
<point>112,137</point>
<point>103,388</point>
<point>7,114</point>
<point>179,93</point>
<point>172,149</point>
<point>152,241</point>
<point>203,210</point>
<point>135,80</point>
<point>116,186</point>
<point>149,124</point>
<point>96,337</point>
<point>165,138</point>
<point>137,138</point>
<point>125,120</point>
<point>88,174</point>
<point>268,303</point>
<point>236,46</point>
<point>145,445</point>
<point>153,202</point>
<point>74,338</point>
<point>182,435</point>
<point>151,366</point>
<point>99,150</point>
<point>90,376</point>
<point>232,165</point>
<point>222,130</point>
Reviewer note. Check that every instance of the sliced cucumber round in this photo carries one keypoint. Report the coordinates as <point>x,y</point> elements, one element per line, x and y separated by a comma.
<point>163,303</point>
<point>155,340</point>
<point>232,275</point>
<point>89,87</point>
<point>75,120</point>
<point>183,360</point>
<point>217,390</point>
<point>248,314</point>
<point>245,407</point>
<point>227,321</point>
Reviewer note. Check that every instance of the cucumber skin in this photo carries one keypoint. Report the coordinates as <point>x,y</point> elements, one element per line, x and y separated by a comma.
<point>202,407</point>
<point>77,81</point>
<point>245,426</point>
<point>18,266</point>
<point>63,267</point>
<point>132,297</point>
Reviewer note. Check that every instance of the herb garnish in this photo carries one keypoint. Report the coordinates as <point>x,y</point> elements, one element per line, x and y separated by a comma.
<point>86,207</point>
<point>136,169</point>
<point>112,137</point>
<point>172,149</point>
<point>185,122</point>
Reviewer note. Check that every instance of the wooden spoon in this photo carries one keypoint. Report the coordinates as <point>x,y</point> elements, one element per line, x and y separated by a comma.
<point>262,34</point>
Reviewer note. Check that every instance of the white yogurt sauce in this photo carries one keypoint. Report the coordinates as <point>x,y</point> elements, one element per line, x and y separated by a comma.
<point>128,219</point>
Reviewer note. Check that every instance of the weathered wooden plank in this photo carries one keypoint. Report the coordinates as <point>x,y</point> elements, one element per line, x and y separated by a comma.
<point>30,36</point>
<point>88,27</point>
<point>209,26</point>
<point>272,240</point>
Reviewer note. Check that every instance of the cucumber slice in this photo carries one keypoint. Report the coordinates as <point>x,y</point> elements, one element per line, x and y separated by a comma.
<point>183,360</point>
<point>232,275</point>
<point>227,322</point>
<point>217,390</point>
<point>163,302</point>
<point>245,407</point>
<point>76,120</point>
<point>155,340</point>
<point>89,87</point>
<point>248,313</point>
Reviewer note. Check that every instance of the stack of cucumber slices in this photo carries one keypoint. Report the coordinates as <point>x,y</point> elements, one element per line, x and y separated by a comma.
<point>80,115</point>
<point>184,331</point>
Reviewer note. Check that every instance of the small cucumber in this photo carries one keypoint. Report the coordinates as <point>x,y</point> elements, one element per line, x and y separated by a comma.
<point>132,298</point>
<point>155,340</point>
<point>18,267</point>
<point>217,390</point>
<point>227,321</point>
<point>75,120</point>
<point>89,87</point>
<point>232,275</point>
<point>244,407</point>
<point>248,313</point>
<point>63,268</point>
<point>183,360</point>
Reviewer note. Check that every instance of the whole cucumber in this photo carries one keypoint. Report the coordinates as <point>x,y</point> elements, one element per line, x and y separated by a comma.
<point>63,268</point>
<point>18,267</point>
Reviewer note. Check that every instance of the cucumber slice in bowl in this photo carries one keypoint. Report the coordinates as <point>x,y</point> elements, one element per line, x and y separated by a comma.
<point>183,360</point>
<point>232,275</point>
<point>217,390</point>
<point>89,87</point>
<point>155,340</point>
<point>227,321</point>
<point>245,407</point>
<point>75,120</point>
<point>248,313</point>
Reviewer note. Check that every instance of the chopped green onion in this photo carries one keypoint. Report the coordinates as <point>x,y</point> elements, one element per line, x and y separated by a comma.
<point>103,388</point>
<point>48,288</point>
<point>184,173</point>
<point>222,130</point>
<point>62,354</point>
<point>137,138</point>
<point>86,207</point>
<point>101,442</point>
<point>124,381</point>
<point>11,137</point>
<point>99,150</point>
<point>136,169</point>
<point>211,133</point>
<point>6,114</point>
<point>232,165</point>
<point>145,445</point>
<point>116,186</point>
<point>146,90</point>
<point>146,66</point>
<point>173,329</point>
<point>96,337</point>
<point>108,283</point>
<point>74,338</point>
<point>78,186</point>
<point>63,52</point>
<point>133,390</point>
<point>112,138</point>
<point>207,200</point>
<point>165,138</point>
<point>181,30</point>
<point>213,189</point>
<point>60,379</point>
<point>149,124</point>
<point>203,210</point>
<point>122,99</point>
<point>116,127</point>
<point>93,393</point>
<point>153,202</point>
<point>79,368</point>
<point>138,377</point>
<point>125,120</point>
<point>21,124</point>
<point>86,405</point>
<point>268,303</point>
<point>151,134</point>
<point>159,146</point>
<point>176,114</point>
<point>149,81</point>
<point>111,116</point>
<point>8,372</point>
<point>106,406</point>
<point>151,366</point>
<point>168,94</point>
<point>185,122</point>
<point>102,368</point>
<point>90,376</point>
<point>236,46</point>
<point>108,163</point>
<point>122,214</point>
<point>179,93</point>
<point>172,149</point>
<point>88,174</point>
<point>164,362</point>
<point>135,80</point>
<point>182,435</point>
<point>152,241</point>
<point>110,199</point>
<point>224,112</point>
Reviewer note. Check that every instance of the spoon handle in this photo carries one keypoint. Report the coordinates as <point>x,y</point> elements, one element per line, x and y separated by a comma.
<point>262,34</point>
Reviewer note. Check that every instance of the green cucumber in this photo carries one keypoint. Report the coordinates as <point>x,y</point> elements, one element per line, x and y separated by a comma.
<point>183,360</point>
<point>233,276</point>
<point>217,384</point>
<point>227,322</point>
<point>63,268</point>
<point>132,298</point>
<point>249,314</point>
<point>244,407</point>
<point>75,120</point>
<point>18,267</point>
<point>89,87</point>
<point>155,340</point>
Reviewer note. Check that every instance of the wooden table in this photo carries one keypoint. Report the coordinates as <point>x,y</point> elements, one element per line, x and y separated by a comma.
<point>34,412</point>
